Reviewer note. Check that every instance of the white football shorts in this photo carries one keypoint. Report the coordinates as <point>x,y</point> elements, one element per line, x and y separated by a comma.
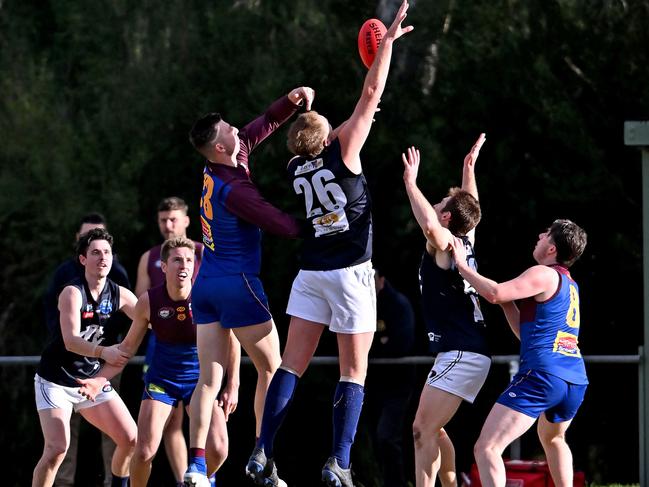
<point>54,396</point>
<point>343,299</point>
<point>460,373</point>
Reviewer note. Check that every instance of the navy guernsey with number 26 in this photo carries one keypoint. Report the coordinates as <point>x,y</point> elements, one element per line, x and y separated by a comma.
<point>338,207</point>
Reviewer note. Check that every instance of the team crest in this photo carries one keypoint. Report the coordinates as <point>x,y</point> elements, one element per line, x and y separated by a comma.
<point>181,317</point>
<point>166,312</point>
<point>105,307</point>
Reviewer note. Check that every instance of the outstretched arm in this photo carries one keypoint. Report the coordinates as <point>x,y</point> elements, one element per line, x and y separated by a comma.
<point>468,172</point>
<point>538,281</point>
<point>355,132</point>
<point>437,236</point>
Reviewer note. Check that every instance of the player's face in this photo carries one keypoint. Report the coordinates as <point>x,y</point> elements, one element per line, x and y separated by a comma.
<point>179,267</point>
<point>173,223</point>
<point>228,138</point>
<point>98,259</point>
<point>544,246</point>
<point>439,207</point>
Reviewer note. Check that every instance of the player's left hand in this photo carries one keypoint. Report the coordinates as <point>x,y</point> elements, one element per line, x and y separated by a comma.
<point>459,251</point>
<point>228,400</point>
<point>90,388</point>
<point>303,93</point>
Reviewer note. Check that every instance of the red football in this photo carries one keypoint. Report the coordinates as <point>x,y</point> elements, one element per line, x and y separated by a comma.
<point>369,39</point>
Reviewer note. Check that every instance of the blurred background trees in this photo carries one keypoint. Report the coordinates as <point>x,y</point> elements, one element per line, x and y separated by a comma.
<point>96,99</point>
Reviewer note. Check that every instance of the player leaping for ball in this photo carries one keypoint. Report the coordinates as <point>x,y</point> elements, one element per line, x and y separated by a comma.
<point>228,295</point>
<point>335,286</point>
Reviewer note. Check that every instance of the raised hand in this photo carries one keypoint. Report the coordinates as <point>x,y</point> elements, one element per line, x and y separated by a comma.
<point>410,165</point>
<point>396,30</point>
<point>303,93</point>
<point>472,156</point>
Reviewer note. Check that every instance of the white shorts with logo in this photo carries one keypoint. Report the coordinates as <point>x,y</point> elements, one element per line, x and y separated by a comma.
<point>343,299</point>
<point>54,396</point>
<point>460,373</point>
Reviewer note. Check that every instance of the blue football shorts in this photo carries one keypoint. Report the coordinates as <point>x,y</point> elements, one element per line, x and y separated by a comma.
<point>167,391</point>
<point>233,301</point>
<point>533,392</point>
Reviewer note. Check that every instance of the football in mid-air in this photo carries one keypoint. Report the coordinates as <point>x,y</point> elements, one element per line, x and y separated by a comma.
<point>369,40</point>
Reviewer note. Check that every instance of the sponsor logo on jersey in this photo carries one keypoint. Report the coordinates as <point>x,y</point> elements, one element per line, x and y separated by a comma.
<point>86,315</point>
<point>309,166</point>
<point>181,317</point>
<point>166,312</point>
<point>180,309</point>
<point>566,344</point>
<point>208,240</point>
<point>107,387</point>
<point>434,337</point>
<point>105,307</point>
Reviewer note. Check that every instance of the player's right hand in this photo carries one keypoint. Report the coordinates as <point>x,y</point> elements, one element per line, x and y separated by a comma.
<point>114,356</point>
<point>395,31</point>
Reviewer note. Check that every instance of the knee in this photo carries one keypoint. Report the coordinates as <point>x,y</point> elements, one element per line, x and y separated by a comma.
<point>484,448</point>
<point>143,454</point>
<point>550,440</point>
<point>418,432</point>
<point>54,452</point>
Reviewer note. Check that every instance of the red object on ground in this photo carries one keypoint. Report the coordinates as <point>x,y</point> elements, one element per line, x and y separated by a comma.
<point>527,473</point>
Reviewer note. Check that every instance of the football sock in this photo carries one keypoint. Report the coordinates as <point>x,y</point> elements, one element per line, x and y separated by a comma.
<point>197,457</point>
<point>119,481</point>
<point>278,399</point>
<point>348,403</point>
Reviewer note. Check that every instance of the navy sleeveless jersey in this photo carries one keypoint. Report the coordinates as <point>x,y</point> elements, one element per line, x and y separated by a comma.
<point>154,265</point>
<point>550,332</point>
<point>451,308</point>
<point>61,366</point>
<point>175,356</point>
<point>338,206</point>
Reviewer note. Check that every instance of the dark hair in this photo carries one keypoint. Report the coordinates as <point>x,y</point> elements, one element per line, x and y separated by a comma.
<point>465,211</point>
<point>569,239</point>
<point>90,236</point>
<point>305,135</point>
<point>173,203</point>
<point>175,243</point>
<point>204,131</point>
<point>93,218</point>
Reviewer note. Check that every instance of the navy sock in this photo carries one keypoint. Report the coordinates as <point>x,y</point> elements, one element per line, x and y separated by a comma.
<point>278,399</point>
<point>119,481</point>
<point>348,402</point>
<point>197,457</point>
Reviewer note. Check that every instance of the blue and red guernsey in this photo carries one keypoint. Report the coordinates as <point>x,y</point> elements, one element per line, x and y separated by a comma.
<point>550,332</point>
<point>233,212</point>
<point>176,356</point>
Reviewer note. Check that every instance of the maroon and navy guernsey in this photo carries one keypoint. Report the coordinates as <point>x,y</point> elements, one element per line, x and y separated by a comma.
<point>233,212</point>
<point>176,356</point>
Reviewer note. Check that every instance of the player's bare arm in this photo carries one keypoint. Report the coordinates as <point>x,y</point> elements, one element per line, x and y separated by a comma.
<point>353,135</point>
<point>437,237</point>
<point>468,171</point>
<point>91,387</point>
<point>513,317</point>
<point>538,281</point>
<point>127,302</point>
<point>69,305</point>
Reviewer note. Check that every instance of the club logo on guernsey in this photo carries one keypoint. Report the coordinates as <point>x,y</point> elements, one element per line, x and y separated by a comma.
<point>181,317</point>
<point>309,166</point>
<point>105,307</point>
<point>107,387</point>
<point>166,312</point>
<point>566,344</point>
